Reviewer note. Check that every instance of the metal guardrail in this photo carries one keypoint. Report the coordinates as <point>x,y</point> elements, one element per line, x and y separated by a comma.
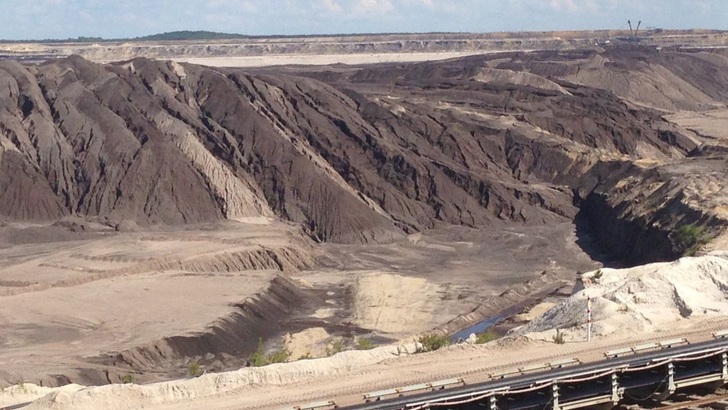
<point>618,352</point>
<point>564,362</point>
<point>557,364</point>
<point>439,384</point>
<point>673,342</point>
<point>720,335</point>
<point>319,405</point>
<point>611,354</point>
<point>645,347</point>
<point>534,368</point>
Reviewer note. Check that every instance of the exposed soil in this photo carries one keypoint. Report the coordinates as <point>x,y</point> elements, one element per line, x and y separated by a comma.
<point>147,304</point>
<point>158,213</point>
<point>400,148</point>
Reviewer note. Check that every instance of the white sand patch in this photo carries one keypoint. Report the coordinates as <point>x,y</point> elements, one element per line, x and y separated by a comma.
<point>179,70</point>
<point>239,198</point>
<point>394,304</point>
<point>310,342</point>
<point>647,298</point>
<point>27,392</point>
<point>321,59</point>
<point>253,220</point>
<point>131,396</point>
<point>324,313</point>
<point>418,240</point>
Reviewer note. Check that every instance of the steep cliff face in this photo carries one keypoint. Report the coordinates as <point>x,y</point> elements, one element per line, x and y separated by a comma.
<point>633,212</point>
<point>355,155</point>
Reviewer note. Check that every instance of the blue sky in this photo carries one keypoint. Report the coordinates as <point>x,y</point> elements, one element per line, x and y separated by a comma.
<point>39,19</point>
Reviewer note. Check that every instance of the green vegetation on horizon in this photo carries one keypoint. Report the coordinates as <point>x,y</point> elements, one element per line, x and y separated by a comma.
<point>190,35</point>
<point>169,36</point>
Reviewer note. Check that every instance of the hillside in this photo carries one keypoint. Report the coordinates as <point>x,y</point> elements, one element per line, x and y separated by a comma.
<point>354,155</point>
<point>362,157</point>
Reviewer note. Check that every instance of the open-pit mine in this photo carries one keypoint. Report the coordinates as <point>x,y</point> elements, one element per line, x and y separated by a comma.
<point>161,220</point>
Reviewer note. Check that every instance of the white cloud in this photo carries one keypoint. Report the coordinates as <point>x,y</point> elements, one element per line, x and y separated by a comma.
<point>373,6</point>
<point>430,4</point>
<point>330,5</point>
<point>567,5</point>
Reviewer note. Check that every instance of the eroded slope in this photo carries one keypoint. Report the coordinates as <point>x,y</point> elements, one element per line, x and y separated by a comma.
<point>365,156</point>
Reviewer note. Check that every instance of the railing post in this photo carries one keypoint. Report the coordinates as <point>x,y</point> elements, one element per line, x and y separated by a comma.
<point>493,403</point>
<point>671,377</point>
<point>724,360</point>
<point>616,391</point>
<point>555,396</point>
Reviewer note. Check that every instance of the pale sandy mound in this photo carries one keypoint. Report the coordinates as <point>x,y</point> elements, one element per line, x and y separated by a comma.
<point>518,77</point>
<point>641,299</point>
<point>394,304</point>
<point>131,396</point>
<point>26,392</point>
<point>310,342</point>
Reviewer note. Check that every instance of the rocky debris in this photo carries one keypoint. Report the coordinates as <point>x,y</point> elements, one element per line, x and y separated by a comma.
<point>74,224</point>
<point>641,299</point>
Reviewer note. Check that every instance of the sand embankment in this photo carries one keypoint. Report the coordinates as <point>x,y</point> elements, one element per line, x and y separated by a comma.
<point>643,299</point>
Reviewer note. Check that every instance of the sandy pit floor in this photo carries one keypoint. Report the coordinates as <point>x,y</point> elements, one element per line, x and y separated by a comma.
<point>61,302</point>
<point>393,304</point>
<point>395,292</point>
<point>372,292</point>
<point>74,310</point>
<point>325,59</point>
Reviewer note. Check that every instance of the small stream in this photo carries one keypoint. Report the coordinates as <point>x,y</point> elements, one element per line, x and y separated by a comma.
<point>485,324</point>
<point>479,327</point>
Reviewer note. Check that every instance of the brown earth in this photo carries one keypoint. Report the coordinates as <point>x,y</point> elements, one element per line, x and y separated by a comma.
<point>355,156</point>
<point>427,181</point>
